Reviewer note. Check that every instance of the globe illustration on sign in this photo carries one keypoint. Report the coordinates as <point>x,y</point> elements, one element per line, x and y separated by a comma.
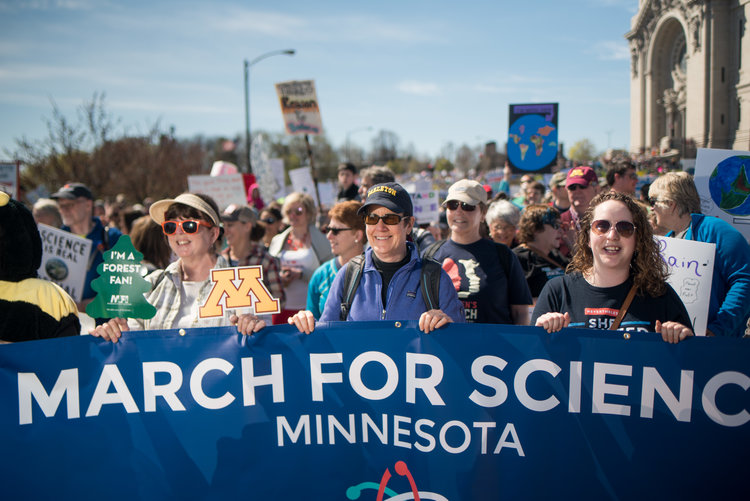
<point>729,186</point>
<point>56,269</point>
<point>532,142</point>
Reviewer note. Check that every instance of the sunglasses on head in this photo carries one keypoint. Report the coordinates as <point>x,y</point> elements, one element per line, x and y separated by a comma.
<point>389,219</point>
<point>454,204</point>
<point>188,226</point>
<point>335,231</point>
<point>574,187</point>
<point>551,218</point>
<point>624,228</point>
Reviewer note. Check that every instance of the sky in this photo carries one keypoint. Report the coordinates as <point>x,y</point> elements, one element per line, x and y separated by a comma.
<point>434,72</point>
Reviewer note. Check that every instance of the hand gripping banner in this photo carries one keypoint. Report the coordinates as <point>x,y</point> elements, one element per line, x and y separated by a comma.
<point>375,411</point>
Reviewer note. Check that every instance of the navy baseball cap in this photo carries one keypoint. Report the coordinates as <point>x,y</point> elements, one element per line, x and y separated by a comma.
<point>71,191</point>
<point>391,196</point>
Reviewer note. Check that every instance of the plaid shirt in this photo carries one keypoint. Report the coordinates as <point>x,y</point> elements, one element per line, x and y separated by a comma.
<point>270,265</point>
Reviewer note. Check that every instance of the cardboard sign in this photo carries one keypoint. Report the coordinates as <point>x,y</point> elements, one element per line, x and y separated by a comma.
<point>9,178</point>
<point>691,268</point>
<point>721,177</point>
<point>302,182</point>
<point>64,259</point>
<point>225,190</point>
<point>299,107</point>
<point>120,286</point>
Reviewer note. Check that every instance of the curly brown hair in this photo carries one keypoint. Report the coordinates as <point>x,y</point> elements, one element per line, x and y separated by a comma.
<point>533,219</point>
<point>647,268</point>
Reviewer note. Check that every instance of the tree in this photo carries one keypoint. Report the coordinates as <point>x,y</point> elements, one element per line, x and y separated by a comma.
<point>582,151</point>
<point>385,147</point>
<point>466,159</point>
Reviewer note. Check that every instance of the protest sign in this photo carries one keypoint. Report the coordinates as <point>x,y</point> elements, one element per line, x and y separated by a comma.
<point>425,200</point>
<point>9,178</point>
<point>225,190</point>
<point>267,179</point>
<point>532,137</point>
<point>366,410</point>
<point>299,107</point>
<point>691,267</point>
<point>722,179</point>
<point>302,182</point>
<point>65,259</point>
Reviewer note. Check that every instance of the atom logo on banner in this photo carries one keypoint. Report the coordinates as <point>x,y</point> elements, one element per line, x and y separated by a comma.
<point>355,491</point>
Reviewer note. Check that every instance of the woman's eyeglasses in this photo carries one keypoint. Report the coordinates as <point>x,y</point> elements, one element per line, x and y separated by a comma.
<point>453,205</point>
<point>269,220</point>
<point>624,228</point>
<point>188,226</point>
<point>297,211</point>
<point>653,201</point>
<point>336,231</point>
<point>389,219</point>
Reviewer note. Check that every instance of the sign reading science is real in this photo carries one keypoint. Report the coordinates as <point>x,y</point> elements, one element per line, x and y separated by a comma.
<point>375,410</point>
<point>64,259</point>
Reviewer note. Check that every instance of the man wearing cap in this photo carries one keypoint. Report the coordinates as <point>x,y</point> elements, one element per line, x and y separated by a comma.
<point>348,190</point>
<point>582,186</point>
<point>389,287</point>
<point>560,199</point>
<point>487,276</point>
<point>242,235</point>
<point>76,204</point>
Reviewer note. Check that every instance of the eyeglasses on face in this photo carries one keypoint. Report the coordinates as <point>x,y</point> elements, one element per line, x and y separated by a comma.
<point>389,219</point>
<point>188,226</point>
<point>335,231</point>
<point>454,204</point>
<point>574,187</point>
<point>653,201</point>
<point>269,220</point>
<point>297,211</point>
<point>624,228</point>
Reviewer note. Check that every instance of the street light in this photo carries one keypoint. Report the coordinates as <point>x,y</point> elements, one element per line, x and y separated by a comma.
<point>288,52</point>
<point>349,133</point>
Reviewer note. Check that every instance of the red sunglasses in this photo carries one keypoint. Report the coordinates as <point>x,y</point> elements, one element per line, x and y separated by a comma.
<point>188,226</point>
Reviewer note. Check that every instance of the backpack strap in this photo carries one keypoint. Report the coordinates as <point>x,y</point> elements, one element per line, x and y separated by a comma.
<point>352,276</point>
<point>430,251</point>
<point>429,282</point>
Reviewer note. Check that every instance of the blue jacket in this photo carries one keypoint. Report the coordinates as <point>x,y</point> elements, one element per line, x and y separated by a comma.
<point>403,300</point>
<point>98,247</point>
<point>729,306</point>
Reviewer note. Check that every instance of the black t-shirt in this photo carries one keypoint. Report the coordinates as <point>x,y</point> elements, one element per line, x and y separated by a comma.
<point>480,280</point>
<point>593,307</point>
<point>351,193</point>
<point>537,269</point>
<point>387,270</point>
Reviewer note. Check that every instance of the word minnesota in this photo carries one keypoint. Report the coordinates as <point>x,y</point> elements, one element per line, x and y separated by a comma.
<point>610,389</point>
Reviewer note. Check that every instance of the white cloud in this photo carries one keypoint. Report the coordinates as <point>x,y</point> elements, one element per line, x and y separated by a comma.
<point>611,51</point>
<point>419,88</point>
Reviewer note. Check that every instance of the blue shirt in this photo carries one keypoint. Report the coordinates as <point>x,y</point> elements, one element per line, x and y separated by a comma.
<point>320,284</point>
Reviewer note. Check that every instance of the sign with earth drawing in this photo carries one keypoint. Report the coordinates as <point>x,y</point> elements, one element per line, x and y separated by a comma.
<point>532,137</point>
<point>722,178</point>
<point>64,259</point>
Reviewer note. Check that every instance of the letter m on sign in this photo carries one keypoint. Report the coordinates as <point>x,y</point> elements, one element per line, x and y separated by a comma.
<point>252,292</point>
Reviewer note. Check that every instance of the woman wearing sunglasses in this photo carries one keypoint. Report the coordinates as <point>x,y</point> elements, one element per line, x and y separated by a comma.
<point>616,277</point>
<point>389,287</point>
<point>191,225</point>
<point>301,248</point>
<point>346,233</point>
<point>540,236</point>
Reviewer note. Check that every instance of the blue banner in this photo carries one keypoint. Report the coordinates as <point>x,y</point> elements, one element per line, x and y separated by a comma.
<point>373,411</point>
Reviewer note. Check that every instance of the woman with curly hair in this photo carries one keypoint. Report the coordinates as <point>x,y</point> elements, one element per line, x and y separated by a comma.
<point>616,280</point>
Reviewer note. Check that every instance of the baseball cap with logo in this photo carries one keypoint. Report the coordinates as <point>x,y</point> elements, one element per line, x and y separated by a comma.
<point>583,176</point>
<point>558,180</point>
<point>467,191</point>
<point>71,191</point>
<point>391,196</point>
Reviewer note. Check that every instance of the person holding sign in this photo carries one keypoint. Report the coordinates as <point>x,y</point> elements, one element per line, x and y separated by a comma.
<point>389,275</point>
<point>677,207</point>
<point>192,226</point>
<point>616,280</point>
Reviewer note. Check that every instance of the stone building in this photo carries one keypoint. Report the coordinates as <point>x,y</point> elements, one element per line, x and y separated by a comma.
<point>690,76</point>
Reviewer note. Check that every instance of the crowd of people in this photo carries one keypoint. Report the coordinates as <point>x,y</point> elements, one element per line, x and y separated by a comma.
<point>578,252</point>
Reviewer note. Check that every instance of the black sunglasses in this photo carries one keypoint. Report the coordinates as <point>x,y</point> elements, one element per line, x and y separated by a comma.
<point>188,226</point>
<point>269,220</point>
<point>454,204</point>
<point>653,201</point>
<point>574,187</point>
<point>335,231</point>
<point>624,228</point>
<point>389,219</point>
